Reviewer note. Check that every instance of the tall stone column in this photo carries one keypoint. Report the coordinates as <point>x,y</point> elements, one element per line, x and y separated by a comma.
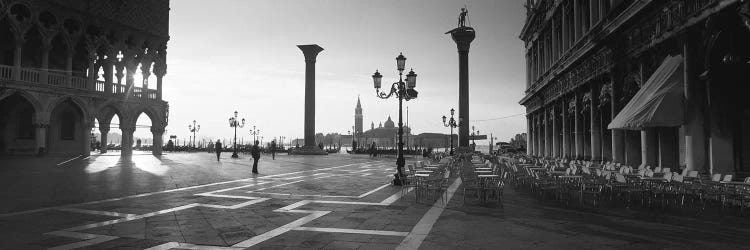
<point>107,69</point>
<point>545,124</point>
<point>695,136</point>
<point>44,76</point>
<point>91,80</point>
<point>104,131</point>
<point>127,141</point>
<point>69,68</point>
<point>618,135</point>
<point>649,147</point>
<point>310,52</point>
<point>158,141</point>
<point>539,136</point>
<point>463,36</point>
<point>120,68</point>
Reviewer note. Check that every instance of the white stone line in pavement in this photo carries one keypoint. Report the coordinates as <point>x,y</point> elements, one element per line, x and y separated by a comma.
<point>170,245</point>
<point>313,214</point>
<point>160,192</point>
<point>424,226</point>
<point>95,212</point>
<point>374,190</point>
<point>351,231</point>
<point>92,239</point>
<point>89,239</point>
<point>279,185</point>
<point>71,159</point>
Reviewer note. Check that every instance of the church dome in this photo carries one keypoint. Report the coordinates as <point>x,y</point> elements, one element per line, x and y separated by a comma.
<point>389,123</point>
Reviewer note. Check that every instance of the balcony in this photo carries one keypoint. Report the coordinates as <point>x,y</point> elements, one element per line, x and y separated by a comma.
<point>42,78</point>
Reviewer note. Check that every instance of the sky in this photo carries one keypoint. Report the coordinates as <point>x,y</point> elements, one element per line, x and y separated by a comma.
<point>227,55</point>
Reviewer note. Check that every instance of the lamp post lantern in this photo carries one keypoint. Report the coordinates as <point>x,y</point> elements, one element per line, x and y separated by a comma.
<point>194,128</point>
<point>403,91</point>
<point>234,123</point>
<point>451,123</point>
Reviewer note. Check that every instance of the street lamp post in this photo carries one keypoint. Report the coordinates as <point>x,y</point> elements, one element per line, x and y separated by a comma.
<point>194,128</point>
<point>234,123</point>
<point>451,123</point>
<point>254,132</point>
<point>404,91</point>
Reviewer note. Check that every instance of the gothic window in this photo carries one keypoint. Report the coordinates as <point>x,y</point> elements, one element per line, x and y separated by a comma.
<point>25,123</point>
<point>67,126</point>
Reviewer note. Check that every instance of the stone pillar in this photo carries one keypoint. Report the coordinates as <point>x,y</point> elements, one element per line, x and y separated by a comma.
<point>669,150</point>
<point>578,115</point>
<point>91,79</point>
<point>618,135</point>
<point>17,60</point>
<point>127,140</point>
<point>310,52</point>
<point>596,132</point>
<point>539,136</point>
<point>131,65</point>
<point>104,131</point>
<point>555,132</point>
<point>107,69</point>
<point>120,68</point>
<point>41,137</point>
<point>69,69</point>
<point>695,136</point>
<point>576,20</point>
<point>649,147</point>
<point>157,139</point>
<point>44,75</point>
<point>545,124</point>
<point>529,135</point>
<point>86,132</point>
<point>565,127</point>
<point>463,37</point>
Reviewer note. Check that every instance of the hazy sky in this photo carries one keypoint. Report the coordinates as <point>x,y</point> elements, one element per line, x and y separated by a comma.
<point>227,55</point>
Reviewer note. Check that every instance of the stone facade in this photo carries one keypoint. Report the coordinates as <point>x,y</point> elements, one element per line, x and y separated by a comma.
<point>61,59</point>
<point>586,59</point>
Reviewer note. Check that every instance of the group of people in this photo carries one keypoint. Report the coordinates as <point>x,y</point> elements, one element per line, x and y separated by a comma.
<point>254,152</point>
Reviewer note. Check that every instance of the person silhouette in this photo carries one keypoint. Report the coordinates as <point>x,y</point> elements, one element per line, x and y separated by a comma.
<point>218,149</point>
<point>255,152</point>
<point>462,17</point>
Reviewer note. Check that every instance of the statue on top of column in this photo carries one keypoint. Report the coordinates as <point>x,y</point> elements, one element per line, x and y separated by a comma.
<point>462,17</point>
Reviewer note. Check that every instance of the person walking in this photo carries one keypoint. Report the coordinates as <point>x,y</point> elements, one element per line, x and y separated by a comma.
<point>255,152</point>
<point>273,150</point>
<point>218,149</point>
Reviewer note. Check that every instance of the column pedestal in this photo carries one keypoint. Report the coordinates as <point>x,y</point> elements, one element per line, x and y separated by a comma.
<point>41,139</point>
<point>104,138</point>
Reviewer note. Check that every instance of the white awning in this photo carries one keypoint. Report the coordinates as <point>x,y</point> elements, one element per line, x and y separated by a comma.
<point>659,103</point>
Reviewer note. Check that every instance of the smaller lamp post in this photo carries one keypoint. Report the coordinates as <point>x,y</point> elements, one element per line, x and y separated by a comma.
<point>194,128</point>
<point>451,123</point>
<point>234,122</point>
<point>254,132</point>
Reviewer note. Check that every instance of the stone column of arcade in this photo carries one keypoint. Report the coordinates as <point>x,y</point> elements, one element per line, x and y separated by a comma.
<point>127,141</point>
<point>157,140</point>
<point>103,131</point>
<point>463,36</point>
<point>311,52</point>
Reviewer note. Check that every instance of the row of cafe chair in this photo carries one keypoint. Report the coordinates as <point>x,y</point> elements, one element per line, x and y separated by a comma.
<point>564,181</point>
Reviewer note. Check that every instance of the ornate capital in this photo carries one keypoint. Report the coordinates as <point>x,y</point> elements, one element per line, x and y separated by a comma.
<point>586,101</point>
<point>605,94</point>
<point>572,105</point>
<point>41,125</point>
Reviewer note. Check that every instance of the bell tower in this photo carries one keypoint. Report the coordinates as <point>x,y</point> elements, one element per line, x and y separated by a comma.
<point>358,117</point>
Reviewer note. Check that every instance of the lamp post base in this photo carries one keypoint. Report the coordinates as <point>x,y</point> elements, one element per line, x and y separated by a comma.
<point>234,155</point>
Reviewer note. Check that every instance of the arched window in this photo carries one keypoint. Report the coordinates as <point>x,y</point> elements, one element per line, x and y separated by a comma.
<point>67,126</point>
<point>26,123</point>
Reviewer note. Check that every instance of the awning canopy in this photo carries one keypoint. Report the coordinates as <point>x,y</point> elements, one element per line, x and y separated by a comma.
<point>659,103</point>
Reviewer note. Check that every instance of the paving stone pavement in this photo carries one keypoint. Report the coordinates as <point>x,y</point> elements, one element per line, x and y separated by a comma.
<point>190,201</point>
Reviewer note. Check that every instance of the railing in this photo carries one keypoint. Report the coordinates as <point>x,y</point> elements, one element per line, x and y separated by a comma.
<point>56,79</point>
<point>99,86</point>
<point>78,83</point>
<point>28,75</point>
<point>6,72</point>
